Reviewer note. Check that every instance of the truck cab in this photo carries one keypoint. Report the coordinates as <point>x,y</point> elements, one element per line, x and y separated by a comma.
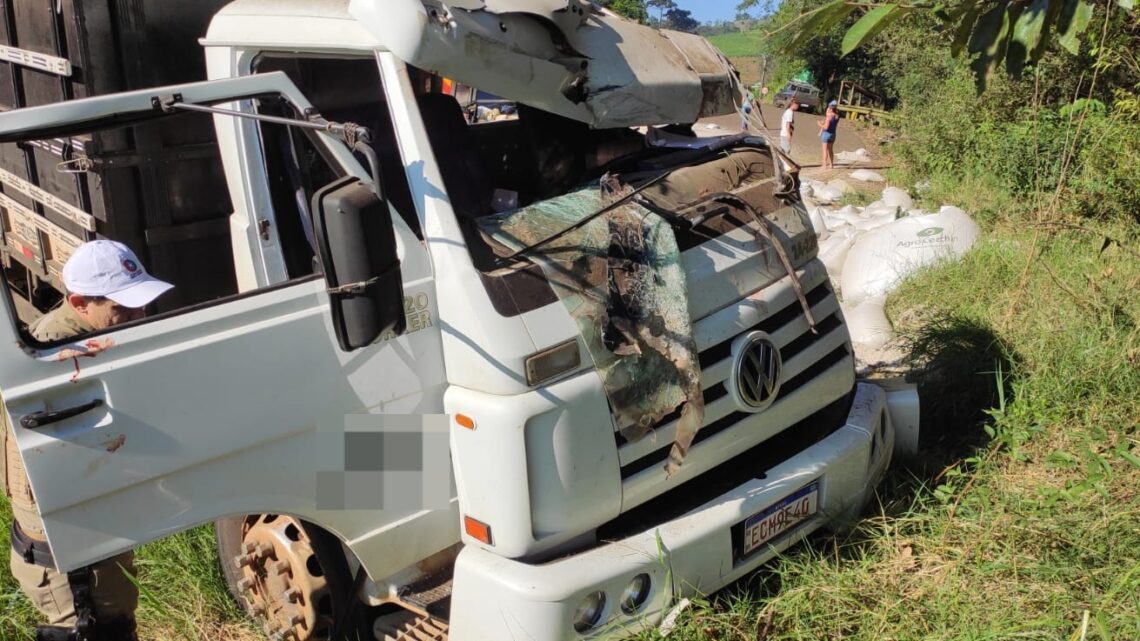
<point>491,457</point>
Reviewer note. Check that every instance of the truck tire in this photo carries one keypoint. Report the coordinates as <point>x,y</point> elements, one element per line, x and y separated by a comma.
<point>352,620</point>
<point>273,572</point>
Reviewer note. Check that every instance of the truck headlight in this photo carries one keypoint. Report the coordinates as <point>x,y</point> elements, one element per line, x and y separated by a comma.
<point>553,362</point>
<point>636,593</point>
<point>589,612</point>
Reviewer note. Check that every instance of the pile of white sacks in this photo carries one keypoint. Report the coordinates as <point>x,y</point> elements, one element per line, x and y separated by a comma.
<point>869,250</point>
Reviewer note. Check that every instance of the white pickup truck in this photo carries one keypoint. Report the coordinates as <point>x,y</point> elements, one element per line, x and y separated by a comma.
<point>380,295</point>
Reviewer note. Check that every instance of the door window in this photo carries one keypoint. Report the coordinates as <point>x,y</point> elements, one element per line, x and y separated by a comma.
<point>158,186</point>
<point>341,90</point>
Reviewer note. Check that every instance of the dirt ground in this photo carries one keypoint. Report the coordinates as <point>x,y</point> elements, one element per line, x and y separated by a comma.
<point>806,146</point>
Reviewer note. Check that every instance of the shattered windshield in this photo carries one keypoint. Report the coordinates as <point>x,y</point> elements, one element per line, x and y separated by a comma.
<point>621,279</point>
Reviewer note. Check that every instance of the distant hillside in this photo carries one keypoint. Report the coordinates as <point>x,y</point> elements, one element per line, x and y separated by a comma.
<point>738,45</point>
<point>749,68</point>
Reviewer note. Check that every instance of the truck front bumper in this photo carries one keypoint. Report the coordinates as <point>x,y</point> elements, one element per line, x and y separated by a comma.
<point>495,598</point>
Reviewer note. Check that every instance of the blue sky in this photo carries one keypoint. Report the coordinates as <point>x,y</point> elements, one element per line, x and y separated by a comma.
<point>710,10</point>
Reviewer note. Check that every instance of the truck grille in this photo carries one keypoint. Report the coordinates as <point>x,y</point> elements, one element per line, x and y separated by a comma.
<point>747,465</point>
<point>817,370</point>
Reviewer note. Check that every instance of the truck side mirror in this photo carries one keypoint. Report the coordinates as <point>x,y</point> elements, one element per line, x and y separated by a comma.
<point>357,247</point>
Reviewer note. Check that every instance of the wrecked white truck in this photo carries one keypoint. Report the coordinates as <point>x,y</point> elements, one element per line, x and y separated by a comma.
<point>528,379</point>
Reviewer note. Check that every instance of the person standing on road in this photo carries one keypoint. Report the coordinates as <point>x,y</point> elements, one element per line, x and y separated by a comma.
<point>787,127</point>
<point>827,128</point>
<point>106,286</point>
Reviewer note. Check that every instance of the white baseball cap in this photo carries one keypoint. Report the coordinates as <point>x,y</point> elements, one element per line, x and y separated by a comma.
<point>110,269</point>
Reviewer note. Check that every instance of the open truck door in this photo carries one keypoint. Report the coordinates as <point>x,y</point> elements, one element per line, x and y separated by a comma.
<point>238,405</point>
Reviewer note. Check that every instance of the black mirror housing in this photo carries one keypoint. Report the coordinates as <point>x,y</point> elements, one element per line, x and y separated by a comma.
<point>356,243</point>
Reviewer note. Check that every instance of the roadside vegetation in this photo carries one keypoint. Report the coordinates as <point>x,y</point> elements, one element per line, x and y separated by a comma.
<point>1022,520</point>
<point>738,44</point>
<point>182,593</point>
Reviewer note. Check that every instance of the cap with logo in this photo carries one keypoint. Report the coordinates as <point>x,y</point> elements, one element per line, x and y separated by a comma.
<point>110,269</point>
<point>833,103</point>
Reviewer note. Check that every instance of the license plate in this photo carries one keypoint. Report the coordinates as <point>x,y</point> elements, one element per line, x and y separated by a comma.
<point>776,520</point>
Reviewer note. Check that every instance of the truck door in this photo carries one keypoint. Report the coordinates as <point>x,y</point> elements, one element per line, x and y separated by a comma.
<point>246,404</point>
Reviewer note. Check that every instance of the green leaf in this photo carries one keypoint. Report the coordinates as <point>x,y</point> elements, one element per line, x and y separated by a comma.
<point>1051,17</point>
<point>1127,5</point>
<point>962,34</point>
<point>1101,627</point>
<point>819,22</point>
<point>1026,36</point>
<point>1063,458</point>
<point>990,29</point>
<point>989,41</point>
<point>870,25</point>
<point>1130,457</point>
<point>950,16</point>
<point>1075,17</point>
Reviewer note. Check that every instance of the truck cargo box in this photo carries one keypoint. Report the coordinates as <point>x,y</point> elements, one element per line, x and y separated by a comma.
<point>158,187</point>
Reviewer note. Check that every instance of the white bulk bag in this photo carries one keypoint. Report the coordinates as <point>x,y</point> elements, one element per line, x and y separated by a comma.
<point>833,251</point>
<point>867,322</point>
<point>839,185</point>
<point>846,216</point>
<point>877,219</point>
<point>867,176</point>
<point>818,222</point>
<point>883,257</point>
<point>896,197</point>
<point>827,194</point>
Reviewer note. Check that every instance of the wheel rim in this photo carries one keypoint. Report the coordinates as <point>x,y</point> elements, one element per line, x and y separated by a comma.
<point>281,583</point>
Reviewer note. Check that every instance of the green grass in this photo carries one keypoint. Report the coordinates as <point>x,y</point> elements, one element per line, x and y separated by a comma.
<point>739,44</point>
<point>1025,521</point>
<point>182,593</point>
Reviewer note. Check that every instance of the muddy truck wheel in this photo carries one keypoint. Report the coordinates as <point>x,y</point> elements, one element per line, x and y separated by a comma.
<point>273,572</point>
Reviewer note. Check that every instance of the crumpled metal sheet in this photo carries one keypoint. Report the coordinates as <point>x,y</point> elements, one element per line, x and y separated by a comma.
<point>562,56</point>
<point>620,277</point>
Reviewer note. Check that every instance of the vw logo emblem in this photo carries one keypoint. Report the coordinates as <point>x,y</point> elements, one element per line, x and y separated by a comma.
<point>756,365</point>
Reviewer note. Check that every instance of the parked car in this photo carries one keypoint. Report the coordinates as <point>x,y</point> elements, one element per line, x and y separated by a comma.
<point>801,92</point>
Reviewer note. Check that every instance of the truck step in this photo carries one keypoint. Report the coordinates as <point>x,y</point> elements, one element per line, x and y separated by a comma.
<point>430,595</point>
<point>409,626</point>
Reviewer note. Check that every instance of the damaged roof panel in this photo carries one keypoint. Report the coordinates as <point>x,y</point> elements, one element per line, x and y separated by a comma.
<point>563,56</point>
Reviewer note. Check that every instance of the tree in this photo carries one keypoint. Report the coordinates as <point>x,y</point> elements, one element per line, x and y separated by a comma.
<point>662,7</point>
<point>632,9</point>
<point>681,20</point>
<point>992,32</point>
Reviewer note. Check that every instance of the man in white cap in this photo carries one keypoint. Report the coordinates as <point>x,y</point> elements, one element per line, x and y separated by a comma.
<point>106,286</point>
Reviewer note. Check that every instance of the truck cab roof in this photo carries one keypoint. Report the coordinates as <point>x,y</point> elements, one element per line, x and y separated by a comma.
<point>279,24</point>
<point>563,56</point>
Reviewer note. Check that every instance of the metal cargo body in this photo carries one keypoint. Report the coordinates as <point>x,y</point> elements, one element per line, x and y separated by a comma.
<point>158,187</point>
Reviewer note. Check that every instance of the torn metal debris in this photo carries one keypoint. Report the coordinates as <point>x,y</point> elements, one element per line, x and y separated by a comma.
<point>563,56</point>
<point>621,279</point>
